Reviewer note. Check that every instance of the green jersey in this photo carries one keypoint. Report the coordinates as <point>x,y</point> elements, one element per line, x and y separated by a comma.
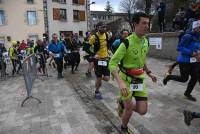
<point>132,57</point>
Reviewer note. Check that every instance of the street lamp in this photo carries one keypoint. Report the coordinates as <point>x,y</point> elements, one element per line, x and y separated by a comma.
<point>88,13</point>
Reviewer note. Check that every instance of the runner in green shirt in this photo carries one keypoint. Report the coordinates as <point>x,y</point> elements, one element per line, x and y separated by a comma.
<point>131,76</point>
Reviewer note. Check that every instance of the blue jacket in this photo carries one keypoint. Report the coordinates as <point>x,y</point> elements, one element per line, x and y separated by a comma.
<point>116,43</point>
<point>189,43</point>
<point>58,48</point>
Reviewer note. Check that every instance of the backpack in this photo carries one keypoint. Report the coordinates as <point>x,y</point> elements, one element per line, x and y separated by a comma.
<point>97,43</point>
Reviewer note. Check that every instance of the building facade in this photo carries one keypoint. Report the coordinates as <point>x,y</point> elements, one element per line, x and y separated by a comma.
<point>67,16</point>
<point>115,21</point>
<point>21,19</point>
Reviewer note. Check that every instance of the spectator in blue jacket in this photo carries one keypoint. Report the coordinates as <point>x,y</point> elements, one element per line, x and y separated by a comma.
<point>56,50</point>
<point>189,48</point>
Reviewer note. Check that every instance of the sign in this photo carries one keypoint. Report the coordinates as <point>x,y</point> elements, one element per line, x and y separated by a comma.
<point>157,41</point>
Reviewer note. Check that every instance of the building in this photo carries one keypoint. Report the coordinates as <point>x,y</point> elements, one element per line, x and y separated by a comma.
<point>21,19</point>
<point>67,16</point>
<point>115,21</point>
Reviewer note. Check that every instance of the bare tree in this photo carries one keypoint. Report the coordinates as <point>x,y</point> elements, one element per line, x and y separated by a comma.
<point>128,7</point>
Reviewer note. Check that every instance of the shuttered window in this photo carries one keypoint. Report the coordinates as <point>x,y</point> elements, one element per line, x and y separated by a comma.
<point>56,13</point>
<point>82,2</point>
<point>82,15</point>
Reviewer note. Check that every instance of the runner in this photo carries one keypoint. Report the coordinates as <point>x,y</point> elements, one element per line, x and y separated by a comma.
<point>132,54</point>
<point>188,55</point>
<point>189,116</point>
<point>88,54</point>
<point>13,55</point>
<point>123,34</point>
<point>56,50</point>
<point>101,56</point>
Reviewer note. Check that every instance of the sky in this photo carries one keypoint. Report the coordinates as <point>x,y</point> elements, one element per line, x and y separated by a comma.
<point>101,4</point>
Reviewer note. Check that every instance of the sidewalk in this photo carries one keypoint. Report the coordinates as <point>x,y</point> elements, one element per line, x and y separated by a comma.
<point>61,111</point>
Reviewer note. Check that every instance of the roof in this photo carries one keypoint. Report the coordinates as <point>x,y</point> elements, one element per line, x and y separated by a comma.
<point>104,12</point>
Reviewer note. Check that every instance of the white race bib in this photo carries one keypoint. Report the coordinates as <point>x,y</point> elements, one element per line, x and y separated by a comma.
<point>102,63</point>
<point>57,55</point>
<point>193,60</point>
<point>68,51</point>
<point>136,87</point>
<point>6,56</point>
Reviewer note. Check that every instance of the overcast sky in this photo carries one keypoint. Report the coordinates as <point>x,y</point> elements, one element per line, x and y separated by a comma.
<point>101,4</point>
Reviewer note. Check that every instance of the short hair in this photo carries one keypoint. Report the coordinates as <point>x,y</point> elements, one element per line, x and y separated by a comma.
<point>100,24</point>
<point>122,31</point>
<point>136,17</point>
<point>54,34</point>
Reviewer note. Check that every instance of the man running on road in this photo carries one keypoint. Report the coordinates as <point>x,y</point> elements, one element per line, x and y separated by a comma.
<point>101,56</point>
<point>132,54</point>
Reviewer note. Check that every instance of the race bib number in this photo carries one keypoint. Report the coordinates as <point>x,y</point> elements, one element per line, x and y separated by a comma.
<point>102,63</point>
<point>136,87</point>
<point>5,55</point>
<point>193,60</point>
<point>68,51</point>
<point>57,55</point>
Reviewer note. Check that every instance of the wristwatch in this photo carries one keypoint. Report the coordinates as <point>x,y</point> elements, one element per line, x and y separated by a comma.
<point>148,72</point>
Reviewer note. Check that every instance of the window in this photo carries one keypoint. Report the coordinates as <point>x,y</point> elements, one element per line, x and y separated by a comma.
<point>2,17</point>
<point>81,33</point>
<point>55,0</point>
<point>60,1</point>
<point>76,15</point>
<point>30,1</point>
<point>109,17</point>
<point>63,1</point>
<point>75,2</point>
<point>79,15</point>
<point>31,17</point>
<point>63,14</point>
<point>81,2</point>
<point>59,14</point>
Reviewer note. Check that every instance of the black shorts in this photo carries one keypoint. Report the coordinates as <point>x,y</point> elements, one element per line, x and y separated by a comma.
<point>101,70</point>
<point>89,58</point>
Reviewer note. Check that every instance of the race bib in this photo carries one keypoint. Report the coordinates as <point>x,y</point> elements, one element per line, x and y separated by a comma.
<point>102,63</point>
<point>136,87</point>
<point>193,60</point>
<point>57,55</point>
<point>68,51</point>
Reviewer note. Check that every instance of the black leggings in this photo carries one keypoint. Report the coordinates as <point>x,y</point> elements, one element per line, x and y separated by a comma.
<point>59,65</point>
<point>186,70</point>
<point>14,63</point>
<point>195,115</point>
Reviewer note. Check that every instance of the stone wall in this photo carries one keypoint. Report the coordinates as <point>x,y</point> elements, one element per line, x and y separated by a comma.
<point>168,46</point>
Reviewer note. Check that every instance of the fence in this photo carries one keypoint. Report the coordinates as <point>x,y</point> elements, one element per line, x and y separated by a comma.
<point>29,68</point>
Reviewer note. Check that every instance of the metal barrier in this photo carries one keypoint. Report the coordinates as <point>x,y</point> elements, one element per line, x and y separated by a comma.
<point>29,68</point>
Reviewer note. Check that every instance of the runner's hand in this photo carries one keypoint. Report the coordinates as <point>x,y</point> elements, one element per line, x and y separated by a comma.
<point>154,79</point>
<point>123,89</point>
<point>96,56</point>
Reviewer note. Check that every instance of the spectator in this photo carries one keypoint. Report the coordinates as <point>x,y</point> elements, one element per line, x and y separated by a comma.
<point>161,16</point>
